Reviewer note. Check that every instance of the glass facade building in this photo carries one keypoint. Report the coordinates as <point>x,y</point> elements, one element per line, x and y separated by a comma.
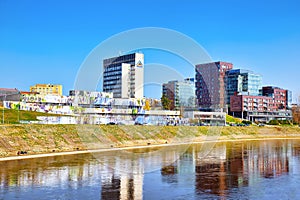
<point>181,93</point>
<point>244,82</point>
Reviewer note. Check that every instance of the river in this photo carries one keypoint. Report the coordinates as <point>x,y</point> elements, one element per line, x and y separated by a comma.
<point>266,169</point>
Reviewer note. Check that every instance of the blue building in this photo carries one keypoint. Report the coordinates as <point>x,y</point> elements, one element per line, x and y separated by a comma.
<point>243,82</point>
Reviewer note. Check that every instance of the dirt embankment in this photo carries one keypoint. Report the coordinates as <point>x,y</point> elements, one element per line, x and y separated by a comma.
<point>40,139</point>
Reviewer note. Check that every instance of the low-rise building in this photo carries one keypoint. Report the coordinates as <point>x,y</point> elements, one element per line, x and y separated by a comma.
<point>45,89</point>
<point>207,118</point>
<point>8,94</point>
<point>256,107</point>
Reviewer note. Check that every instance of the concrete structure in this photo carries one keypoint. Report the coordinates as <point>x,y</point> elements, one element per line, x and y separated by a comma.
<point>45,89</point>
<point>181,93</point>
<point>279,96</point>
<point>124,76</point>
<point>207,118</point>
<point>267,116</point>
<point>211,86</point>
<point>242,81</point>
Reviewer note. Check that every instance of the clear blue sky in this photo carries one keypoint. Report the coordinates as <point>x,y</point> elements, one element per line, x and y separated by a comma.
<point>46,41</point>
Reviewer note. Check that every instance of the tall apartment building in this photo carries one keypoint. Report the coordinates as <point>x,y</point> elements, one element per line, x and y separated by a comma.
<point>281,97</point>
<point>243,82</point>
<point>124,76</point>
<point>181,93</point>
<point>211,85</point>
<point>45,89</point>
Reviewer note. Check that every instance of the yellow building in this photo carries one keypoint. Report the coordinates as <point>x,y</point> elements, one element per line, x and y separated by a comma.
<point>44,89</point>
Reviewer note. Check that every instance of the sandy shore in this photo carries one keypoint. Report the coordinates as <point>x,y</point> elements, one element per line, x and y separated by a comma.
<point>221,139</point>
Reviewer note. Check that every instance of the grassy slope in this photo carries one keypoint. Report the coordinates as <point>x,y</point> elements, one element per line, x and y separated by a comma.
<point>11,116</point>
<point>46,138</point>
<point>230,119</point>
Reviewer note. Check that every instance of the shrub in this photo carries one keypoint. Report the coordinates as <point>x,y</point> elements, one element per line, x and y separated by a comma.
<point>274,122</point>
<point>246,122</point>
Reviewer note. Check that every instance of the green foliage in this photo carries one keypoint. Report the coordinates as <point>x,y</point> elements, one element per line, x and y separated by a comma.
<point>273,122</point>
<point>230,119</point>
<point>246,122</point>
<point>280,122</point>
<point>12,116</point>
<point>166,102</point>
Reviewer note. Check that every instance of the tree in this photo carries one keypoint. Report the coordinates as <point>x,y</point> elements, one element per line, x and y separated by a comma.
<point>147,105</point>
<point>165,102</point>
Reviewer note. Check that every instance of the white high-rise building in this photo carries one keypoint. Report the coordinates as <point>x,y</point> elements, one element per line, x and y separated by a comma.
<point>124,76</point>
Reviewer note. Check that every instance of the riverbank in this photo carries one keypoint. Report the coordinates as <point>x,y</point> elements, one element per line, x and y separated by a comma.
<point>51,140</point>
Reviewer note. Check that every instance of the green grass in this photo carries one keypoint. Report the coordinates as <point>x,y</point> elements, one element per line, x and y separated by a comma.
<point>230,119</point>
<point>12,116</point>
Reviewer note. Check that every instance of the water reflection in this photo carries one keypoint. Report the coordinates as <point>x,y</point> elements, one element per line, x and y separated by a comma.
<point>227,171</point>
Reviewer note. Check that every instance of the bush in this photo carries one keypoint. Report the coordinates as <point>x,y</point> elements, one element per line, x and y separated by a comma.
<point>274,122</point>
<point>246,122</point>
<point>280,122</point>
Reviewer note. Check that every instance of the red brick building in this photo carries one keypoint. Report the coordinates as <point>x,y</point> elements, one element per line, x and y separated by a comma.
<point>278,95</point>
<point>244,103</point>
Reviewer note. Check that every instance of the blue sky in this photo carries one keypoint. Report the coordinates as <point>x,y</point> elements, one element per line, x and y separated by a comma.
<point>46,41</point>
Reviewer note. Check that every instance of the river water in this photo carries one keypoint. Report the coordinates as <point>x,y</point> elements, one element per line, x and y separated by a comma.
<point>267,169</point>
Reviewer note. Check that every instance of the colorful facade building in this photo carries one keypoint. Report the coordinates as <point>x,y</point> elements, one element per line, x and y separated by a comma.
<point>211,86</point>
<point>45,89</point>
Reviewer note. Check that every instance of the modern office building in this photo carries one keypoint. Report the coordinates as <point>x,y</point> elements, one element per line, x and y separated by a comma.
<point>279,96</point>
<point>45,89</point>
<point>243,82</point>
<point>211,85</point>
<point>181,93</point>
<point>124,76</point>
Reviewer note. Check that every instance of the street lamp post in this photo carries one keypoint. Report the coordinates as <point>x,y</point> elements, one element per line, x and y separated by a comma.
<point>3,109</point>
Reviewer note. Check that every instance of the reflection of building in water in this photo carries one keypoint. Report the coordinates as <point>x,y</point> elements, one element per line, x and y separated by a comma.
<point>46,173</point>
<point>268,159</point>
<point>219,171</point>
<point>233,165</point>
<point>122,179</point>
